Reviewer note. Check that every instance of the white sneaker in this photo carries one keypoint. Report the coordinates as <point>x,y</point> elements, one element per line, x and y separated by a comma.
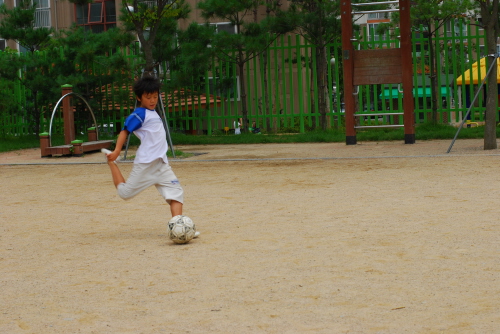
<point>106,152</point>
<point>196,234</point>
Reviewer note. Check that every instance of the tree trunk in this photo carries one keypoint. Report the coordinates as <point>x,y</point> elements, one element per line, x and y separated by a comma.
<point>267,104</point>
<point>321,72</point>
<point>244,110</point>
<point>490,138</point>
<point>434,83</point>
<point>147,48</point>
<point>490,21</point>
<point>36,115</point>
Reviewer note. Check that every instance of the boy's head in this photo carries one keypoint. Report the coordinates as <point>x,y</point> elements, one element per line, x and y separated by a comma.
<point>147,90</point>
<point>146,84</point>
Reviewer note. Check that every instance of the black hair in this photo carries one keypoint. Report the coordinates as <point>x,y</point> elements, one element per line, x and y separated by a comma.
<point>146,84</point>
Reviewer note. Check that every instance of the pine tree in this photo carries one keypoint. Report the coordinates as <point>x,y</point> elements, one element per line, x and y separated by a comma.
<point>318,21</point>
<point>18,24</point>
<point>91,61</point>
<point>251,38</point>
<point>147,19</point>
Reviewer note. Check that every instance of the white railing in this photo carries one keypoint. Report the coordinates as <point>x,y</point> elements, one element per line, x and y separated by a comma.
<point>42,18</point>
<point>150,4</point>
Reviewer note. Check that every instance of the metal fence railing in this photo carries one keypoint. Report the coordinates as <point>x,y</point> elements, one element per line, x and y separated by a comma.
<point>283,95</point>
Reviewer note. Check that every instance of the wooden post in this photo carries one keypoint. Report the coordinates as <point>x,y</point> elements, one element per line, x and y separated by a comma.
<point>44,144</point>
<point>77,148</point>
<point>407,71</point>
<point>92,134</point>
<point>68,116</point>
<point>348,60</point>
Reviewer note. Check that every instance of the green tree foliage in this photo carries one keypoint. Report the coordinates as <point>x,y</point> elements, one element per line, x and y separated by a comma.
<point>251,38</point>
<point>9,103</point>
<point>36,76</point>
<point>92,63</point>
<point>90,60</point>
<point>432,15</point>
<point>188,59</point>
<point>83,59</point>
<point>18,24</point>
<point>318,21</point>
<point>147,19</point>
<point>165,46</point>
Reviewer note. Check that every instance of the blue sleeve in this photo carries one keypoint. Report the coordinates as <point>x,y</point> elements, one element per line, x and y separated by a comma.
<point>134,120</point>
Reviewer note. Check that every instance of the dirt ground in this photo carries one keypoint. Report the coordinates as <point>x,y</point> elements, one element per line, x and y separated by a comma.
<point>295,238</point>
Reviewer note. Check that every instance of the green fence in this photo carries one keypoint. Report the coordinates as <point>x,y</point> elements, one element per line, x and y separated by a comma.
<point>283,96</point>
<point>456,54</point>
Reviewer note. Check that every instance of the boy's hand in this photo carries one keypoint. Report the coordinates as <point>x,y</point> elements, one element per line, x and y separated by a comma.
<point>113,156</point>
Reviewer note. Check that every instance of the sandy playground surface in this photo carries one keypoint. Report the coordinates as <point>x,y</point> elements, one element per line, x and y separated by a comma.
<point>296,238</point>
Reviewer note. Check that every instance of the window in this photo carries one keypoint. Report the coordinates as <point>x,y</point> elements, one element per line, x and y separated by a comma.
<point>98,16</point>
<point>372,32</point>
<point>150,4</point>
<point>21,48</point>
<point>483,53</point>
<point>3,45</point>
<point>455,28</point>
<point>110,8</point>
<point>225,26</point>
<point>373,35</point>
<point>377,16</point>
<point>95,12</point>
<point>42,13</point>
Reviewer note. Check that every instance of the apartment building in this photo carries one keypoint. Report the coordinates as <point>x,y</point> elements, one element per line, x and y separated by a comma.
<point>97,16</point>
<point>101,15</point>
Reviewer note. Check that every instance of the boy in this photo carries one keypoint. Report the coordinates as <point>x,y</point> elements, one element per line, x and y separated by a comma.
<point>150,164</point>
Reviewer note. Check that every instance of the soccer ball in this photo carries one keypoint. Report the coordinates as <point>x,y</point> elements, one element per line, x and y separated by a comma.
<point>181,229</point>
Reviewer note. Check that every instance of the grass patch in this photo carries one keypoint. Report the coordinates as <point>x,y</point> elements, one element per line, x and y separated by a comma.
<point>250,138</point>
<point>11,143</point>
<point>425,131</point>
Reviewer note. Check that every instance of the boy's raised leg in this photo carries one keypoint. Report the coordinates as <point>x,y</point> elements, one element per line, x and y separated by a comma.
<point>115,171</point>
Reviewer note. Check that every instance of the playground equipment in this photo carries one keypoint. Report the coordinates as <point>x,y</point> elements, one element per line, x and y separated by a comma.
<point>71,146</point>
<point>377,66</point>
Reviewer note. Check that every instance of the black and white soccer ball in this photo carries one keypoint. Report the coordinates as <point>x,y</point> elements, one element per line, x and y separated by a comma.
<point>181,229</point>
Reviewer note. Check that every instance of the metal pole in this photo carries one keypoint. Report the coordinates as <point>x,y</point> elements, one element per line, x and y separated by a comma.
<point>167,129</point>
<point>494,62</point>
<point>128,137</point>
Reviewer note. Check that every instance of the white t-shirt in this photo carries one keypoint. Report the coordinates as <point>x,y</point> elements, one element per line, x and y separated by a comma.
<point>148,127</point>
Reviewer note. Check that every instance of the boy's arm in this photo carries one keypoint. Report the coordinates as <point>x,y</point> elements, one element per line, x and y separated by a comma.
<point>122,137</point>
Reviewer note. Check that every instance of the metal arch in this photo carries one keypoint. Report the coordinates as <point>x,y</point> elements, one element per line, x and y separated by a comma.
<point>57,105</point>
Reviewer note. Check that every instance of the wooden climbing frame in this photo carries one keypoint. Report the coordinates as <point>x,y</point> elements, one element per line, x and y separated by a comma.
<point>377,66</point>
